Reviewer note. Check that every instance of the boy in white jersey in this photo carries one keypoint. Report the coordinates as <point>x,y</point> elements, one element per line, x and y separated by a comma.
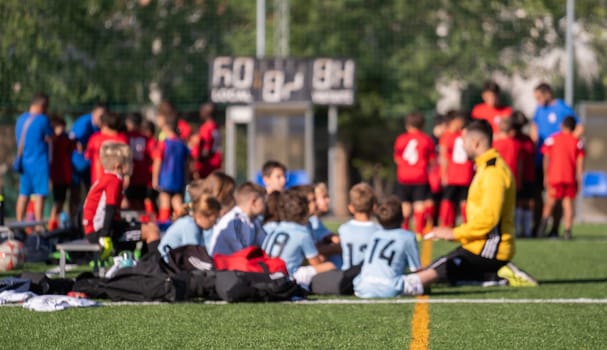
<point>391,252</point>
<point>355,234</point>
<point>292,242</point>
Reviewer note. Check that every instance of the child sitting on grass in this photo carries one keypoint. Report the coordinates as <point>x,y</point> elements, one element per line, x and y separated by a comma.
<point>391,252</point>
<point>292,242</point>
<point>200,214</point>
<point>239,228</point>
<point>355,234</point>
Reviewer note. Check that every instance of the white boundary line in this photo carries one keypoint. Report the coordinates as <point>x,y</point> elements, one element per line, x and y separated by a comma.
<point>373,301</point>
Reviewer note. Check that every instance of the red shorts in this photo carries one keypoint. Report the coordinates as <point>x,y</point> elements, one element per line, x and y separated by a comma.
<point>560,191</point>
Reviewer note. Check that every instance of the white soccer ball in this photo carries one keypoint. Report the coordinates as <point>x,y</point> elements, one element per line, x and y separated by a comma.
<point>11,255</point>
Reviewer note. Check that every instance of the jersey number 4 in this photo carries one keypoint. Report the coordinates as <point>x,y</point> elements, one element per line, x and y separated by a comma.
<point>383,253</point>
<point>410,154</point>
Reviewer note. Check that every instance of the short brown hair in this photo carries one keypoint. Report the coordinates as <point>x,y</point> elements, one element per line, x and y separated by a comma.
<point>304,189</point>
<point>415,120</point>
<point>111,120</point>
<point>206,205</point>
<point>294,207</point>
<point>222,186</point>
<point>273,210</point>
<point>113,152</point>
<point>270,165</point>
<point>362,199</point>
<point>247,191</point>
<point>389,213</point>
<point>506,124</point>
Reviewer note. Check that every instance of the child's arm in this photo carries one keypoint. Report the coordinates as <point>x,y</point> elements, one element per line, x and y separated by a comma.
<point>579,164</point>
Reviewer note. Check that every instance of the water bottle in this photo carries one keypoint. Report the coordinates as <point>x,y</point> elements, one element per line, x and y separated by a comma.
<point>64,220</point>
<point>127,259</point>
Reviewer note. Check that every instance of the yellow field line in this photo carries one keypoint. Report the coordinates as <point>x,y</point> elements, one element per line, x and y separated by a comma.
<point>420,331</point>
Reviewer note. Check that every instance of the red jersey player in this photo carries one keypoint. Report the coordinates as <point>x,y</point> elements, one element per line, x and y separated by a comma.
<point>110,124</point>
<point>208,152</point>
<point>490,109</point>
<point>61,169</point>
<point>136,192</point>
<point>525,203</point>
<point>563,166</point>
<point>414,154</point>
<point>456,170</point>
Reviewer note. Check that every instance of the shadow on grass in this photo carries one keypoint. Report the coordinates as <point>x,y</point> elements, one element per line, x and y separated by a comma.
<point>574,281</point>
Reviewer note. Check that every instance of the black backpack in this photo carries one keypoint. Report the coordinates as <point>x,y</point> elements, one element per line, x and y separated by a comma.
<point>237,286</point>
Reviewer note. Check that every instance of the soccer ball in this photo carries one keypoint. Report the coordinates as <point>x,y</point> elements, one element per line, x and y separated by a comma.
<point>11,255</point>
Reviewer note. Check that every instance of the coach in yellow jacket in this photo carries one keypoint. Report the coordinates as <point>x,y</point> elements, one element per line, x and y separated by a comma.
<point>487,238</point>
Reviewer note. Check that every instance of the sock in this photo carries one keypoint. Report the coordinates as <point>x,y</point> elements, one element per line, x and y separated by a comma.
<point>462,212</point>
<point>541,229</point>
<point>527,222</point>
<point>429,219</point>
<point>447,213</point>
<point>53,224</point>
<point>30,211</point>
<point>148,206</point>
<point>420,221</point>
<point>518,222</point>
<point>164,214</point>
<point>405,224</point>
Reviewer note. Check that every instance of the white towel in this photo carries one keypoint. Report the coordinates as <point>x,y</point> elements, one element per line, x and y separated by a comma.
<point>48,303</point>
<point>11,297</point>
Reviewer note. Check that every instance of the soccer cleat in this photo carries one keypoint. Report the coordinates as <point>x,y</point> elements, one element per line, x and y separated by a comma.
<point>567,235</point>
<point>107,247</point>
<point>516,277</point>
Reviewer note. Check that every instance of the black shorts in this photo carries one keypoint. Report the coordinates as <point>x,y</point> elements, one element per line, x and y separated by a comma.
<point>414,193</point>
<point>526,191</point>
<point>455,194</point>
<point>60,192</point>
<point>136,192</point>
<point>461,265</point>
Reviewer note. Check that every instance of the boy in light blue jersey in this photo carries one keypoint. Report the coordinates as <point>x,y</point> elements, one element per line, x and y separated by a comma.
<point>391,252</point>
<point>238,228</point>
<point>292,242</point>
<point>355,234</point>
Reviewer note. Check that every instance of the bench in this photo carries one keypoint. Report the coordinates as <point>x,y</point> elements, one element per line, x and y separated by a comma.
<point>81,245</point>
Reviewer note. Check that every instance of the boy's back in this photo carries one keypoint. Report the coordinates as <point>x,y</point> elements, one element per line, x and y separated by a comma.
<point>291,242</point>
<point>389,254</point>
<point>174,155</point>
<point>563,149</point>
<point>413,151</point>
<point>354,238</point>
<point>459,168</point>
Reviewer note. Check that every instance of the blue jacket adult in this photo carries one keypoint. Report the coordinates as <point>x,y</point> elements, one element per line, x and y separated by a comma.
<point>36,148</point>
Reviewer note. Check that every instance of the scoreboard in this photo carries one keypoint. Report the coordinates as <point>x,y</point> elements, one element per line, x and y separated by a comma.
<point>322,81</point>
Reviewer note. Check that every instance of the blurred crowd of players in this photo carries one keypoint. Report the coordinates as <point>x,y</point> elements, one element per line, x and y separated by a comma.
<point>544,153</point>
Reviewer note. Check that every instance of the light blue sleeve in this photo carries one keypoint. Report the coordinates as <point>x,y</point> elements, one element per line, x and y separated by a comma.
<point>413,254</point>
<point>308,247</point>
<point>182,232</point>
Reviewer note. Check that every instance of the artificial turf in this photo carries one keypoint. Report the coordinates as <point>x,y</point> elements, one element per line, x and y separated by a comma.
<point>566,269</point>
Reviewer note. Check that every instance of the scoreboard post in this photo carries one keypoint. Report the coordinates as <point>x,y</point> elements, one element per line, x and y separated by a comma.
<point>281,93</point>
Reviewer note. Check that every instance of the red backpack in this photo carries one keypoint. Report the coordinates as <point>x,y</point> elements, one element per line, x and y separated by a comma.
<point>250,259</point>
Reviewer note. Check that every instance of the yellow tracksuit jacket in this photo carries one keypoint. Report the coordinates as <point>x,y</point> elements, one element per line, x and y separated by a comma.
<point>489,231</point>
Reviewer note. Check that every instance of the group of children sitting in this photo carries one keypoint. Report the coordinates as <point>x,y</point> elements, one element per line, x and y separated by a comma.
<point>225,218</point>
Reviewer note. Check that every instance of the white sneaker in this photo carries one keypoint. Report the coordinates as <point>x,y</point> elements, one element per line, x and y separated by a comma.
<point>413,285</point>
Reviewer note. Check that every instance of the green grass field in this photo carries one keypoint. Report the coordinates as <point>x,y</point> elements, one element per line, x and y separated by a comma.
<point>566,270</point>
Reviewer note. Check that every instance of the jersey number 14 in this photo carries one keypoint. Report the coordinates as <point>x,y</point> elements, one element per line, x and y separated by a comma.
<point>383,253</point>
